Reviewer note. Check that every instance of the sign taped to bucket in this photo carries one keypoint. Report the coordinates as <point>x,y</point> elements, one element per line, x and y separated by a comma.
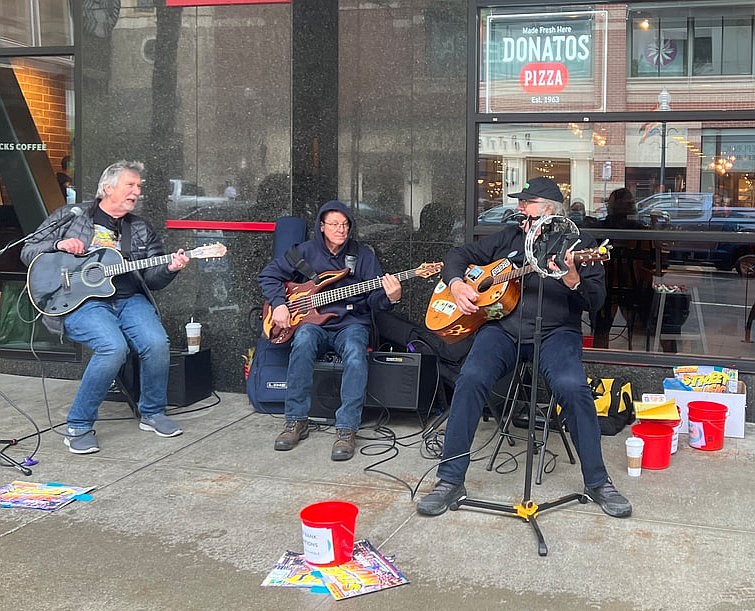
<point>318,544</point>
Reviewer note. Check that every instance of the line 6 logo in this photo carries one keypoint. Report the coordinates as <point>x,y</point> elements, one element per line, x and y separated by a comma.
<point>543,77</point>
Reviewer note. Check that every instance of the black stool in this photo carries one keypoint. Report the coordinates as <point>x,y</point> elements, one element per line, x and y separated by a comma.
<point>516,405</point>
<point>125,386</point>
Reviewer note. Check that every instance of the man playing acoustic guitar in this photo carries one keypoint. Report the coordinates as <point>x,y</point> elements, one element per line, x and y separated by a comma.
<point>332,248</point>
<point>127,320</point>
<point>499,342</point>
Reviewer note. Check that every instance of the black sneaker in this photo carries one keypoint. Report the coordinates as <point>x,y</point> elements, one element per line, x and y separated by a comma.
<point>610,500</point>
<point>437,501</point>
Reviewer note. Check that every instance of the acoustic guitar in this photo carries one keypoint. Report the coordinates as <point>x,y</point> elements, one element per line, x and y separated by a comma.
<point>499,288</point>
<point>60,282</point>
<point>303,299</point>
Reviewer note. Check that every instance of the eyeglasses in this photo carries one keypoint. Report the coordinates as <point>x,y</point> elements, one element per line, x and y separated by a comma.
<point>337,225</point>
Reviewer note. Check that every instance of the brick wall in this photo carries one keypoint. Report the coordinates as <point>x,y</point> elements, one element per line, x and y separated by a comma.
<point>45,95</point>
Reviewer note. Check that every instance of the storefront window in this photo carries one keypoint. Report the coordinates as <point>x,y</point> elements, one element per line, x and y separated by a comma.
<point>37,175</point>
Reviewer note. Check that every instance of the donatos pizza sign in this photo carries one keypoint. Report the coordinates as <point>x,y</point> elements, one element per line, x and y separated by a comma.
<point>542,56</point>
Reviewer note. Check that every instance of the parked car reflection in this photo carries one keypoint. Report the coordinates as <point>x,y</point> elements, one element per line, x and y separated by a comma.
<point>689,211</point>
<point>494,216</point>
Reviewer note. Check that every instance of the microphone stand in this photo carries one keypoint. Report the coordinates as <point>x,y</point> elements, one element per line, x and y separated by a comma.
<point>11,442</point>
<point>67,218</point>
<point>75,211</point>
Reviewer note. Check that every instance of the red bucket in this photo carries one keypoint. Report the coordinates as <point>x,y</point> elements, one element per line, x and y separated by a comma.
<point>657,437</point>
<point>707,421</point>
<point>328,532</point>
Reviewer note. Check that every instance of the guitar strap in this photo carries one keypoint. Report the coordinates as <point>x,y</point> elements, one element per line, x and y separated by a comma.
<point>125,227</point>
<point>296,260</point>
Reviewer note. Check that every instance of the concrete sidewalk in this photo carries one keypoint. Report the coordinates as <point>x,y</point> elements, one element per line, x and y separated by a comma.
<point>197,521</point>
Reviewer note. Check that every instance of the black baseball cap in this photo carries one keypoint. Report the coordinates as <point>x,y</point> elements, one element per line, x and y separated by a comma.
<point>540,187</point>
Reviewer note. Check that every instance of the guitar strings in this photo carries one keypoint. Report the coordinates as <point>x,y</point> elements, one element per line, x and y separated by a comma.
<point>311,301</point>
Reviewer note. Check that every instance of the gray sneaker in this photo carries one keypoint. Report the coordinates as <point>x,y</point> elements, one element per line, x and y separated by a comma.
<point>160,424</point>
<point>443,495</point>
<point>81,441</point>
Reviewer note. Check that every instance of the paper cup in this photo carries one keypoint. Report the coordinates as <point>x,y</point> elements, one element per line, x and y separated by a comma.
<point>634,447</point>
<point>193,336</point>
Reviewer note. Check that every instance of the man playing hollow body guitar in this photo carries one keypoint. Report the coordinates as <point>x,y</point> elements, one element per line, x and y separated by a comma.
<point>497,343</point>
<point>347,333</point>
<point>127,320</point>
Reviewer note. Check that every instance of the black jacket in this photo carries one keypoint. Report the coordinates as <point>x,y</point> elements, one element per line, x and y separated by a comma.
<point>145,243</point>
<point>561,309</point>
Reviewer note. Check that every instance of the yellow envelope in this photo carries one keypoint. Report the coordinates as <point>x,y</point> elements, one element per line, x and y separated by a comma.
<point>656,411</point>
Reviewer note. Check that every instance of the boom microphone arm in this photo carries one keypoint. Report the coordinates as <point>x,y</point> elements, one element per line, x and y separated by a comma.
<point>63,220</point>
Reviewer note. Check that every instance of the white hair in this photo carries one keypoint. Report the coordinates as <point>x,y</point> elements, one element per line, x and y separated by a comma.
<point>113,172</point>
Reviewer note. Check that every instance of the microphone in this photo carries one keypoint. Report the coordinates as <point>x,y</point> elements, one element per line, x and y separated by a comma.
<point>66,218</point>
<point>512,217</point>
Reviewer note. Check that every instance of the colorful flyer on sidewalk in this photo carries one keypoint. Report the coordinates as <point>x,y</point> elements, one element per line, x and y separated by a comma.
<point>48,497</point>
<point>368,571</point>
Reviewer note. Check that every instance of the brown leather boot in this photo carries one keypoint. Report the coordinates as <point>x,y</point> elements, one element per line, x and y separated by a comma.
<point>293,432</point>
<point>345,445</point>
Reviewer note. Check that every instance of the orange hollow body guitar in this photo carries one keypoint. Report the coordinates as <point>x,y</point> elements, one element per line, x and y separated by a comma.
<point>499,288</point>
<point>303,299</point>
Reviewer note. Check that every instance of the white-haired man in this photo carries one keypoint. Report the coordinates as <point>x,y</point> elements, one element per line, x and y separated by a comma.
<point>127,320</point>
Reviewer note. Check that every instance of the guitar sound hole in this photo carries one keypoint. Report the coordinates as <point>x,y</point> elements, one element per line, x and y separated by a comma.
<point>485,285</point>
<point>92,275</point>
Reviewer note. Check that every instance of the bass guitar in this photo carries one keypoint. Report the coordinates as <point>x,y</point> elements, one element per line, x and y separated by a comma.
<point>60,282</point>
<point>499,288</point>
<point>302,300</point>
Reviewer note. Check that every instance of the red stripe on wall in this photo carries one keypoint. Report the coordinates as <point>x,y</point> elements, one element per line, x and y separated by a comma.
<point>219,2</point>
<point>221,225</point>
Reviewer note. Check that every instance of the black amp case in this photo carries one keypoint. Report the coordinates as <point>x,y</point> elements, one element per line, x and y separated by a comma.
<point>401,381</point>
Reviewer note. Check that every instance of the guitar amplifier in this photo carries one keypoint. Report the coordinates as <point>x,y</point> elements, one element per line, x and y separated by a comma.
<point>403,381</point>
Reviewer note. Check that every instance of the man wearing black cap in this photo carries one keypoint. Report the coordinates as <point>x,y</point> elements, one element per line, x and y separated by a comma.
<point>499,342</point>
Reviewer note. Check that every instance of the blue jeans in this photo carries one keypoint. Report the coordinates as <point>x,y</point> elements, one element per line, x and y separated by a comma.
<point>110,327</point>
<point>492,356</point>
<point>311,342</point>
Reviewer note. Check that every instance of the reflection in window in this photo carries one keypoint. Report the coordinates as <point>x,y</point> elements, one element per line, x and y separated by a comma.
<point>34,23</point>
<point>659,47</point>
<point>718,45</point>
<point>737,46</point>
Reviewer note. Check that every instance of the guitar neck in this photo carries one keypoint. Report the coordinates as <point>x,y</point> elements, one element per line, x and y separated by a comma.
<point>512,274</point>
<point>333,295</point>
<point>130,266</point>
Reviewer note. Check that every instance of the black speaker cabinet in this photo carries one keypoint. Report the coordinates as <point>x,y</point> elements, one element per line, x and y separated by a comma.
<point>326,390</point>
<point>397,381</point>
<point>190,377</point>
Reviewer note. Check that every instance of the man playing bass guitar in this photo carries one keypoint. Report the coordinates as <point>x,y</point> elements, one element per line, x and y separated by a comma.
<point>500,342</point>
<point>347,333</point>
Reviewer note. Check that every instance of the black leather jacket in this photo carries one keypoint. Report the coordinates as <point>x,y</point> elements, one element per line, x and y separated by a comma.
<point>145,243</point>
